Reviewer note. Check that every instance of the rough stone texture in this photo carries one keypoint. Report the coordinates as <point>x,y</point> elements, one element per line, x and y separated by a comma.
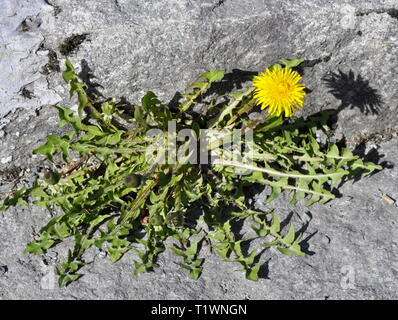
<point>130,47</point>
<point>21,60</point>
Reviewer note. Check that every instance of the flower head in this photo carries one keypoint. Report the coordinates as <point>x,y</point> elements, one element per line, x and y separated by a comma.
<point>279,90</point>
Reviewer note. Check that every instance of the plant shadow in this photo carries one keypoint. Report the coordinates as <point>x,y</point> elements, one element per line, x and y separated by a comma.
<point>231,81</point>
<point>237,229</point>
<point>87,76</point>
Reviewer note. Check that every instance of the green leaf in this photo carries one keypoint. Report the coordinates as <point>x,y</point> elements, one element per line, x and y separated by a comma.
<point>294,250</point>
<point>212,75</point>
<point>98,220</point>
<point>49,147</point>
<point>333,151</point>
<point>219,236</point>
<point>149,101</point>
<point>69,65</point>
<point>38,247</point>
<point>291,63</point>
<point>260,231</point>
<point>16,199</point>
<point>248,260</point>
<point>69,73</point>
<point>222,249</point>
<point>275,191</point>
<point>195,273</point>
<point>252,273</point>
<point>64,114</point>
<point>138,116</point>
<point>178,252</point>
<point>116,253</point>
<point>276,226</point>
<point>193,249</point>
<point>111,139</point>
<point>67,278</point>
<point>272,122</point>
<point>38,192</point>
<point>199,85</point>
<point>83,101</point>
<point>289,237</point>
<point>139,268</point>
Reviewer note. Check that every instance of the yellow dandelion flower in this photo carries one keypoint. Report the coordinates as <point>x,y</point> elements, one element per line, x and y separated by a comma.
<point>279,90</point>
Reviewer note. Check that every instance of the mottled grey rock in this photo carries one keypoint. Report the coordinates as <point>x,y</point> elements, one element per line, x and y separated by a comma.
<point>21,84</point>
<point>125,48</point>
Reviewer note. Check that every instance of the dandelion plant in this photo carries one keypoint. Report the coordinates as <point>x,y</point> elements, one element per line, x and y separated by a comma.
<point>154,177</point>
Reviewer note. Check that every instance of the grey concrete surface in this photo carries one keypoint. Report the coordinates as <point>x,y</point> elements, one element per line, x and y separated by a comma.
<point>129,47</point>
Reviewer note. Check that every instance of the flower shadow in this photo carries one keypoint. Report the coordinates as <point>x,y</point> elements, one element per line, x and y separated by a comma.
<point>353,92</point>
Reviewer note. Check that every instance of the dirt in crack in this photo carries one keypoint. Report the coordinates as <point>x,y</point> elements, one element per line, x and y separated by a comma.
<point>393,13</point>
<point>311,63</point>
<point>27,93</point>
<point>218,4</point>
<point>53,63</point>
<point>72,43</point>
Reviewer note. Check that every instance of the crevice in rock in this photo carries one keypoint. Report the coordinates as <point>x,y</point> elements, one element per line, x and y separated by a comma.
<point>376,137</point>
<point>393,13</point>
<point>30,23</point>
<point>26,93</point>
<point>53,62</point>
<point>57,9</point>
<point>118,6</point>
<point>311,63</point>
<point>218,4</point>
<point>71,44</point>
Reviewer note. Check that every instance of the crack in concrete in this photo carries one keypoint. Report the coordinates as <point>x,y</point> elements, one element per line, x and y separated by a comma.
<point>57,9</point>
<point>71,44</point>
<point>118,6</point>
<point>376,137</point>
<point>392,12</point>
<point>218,4</point>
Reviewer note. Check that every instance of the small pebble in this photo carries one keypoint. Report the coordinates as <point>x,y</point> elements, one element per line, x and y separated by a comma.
<point>6,187</point>
<point>100,253</point>
<point>52,254</point>
<point>6,160</point>
<point>3,270</point>
<point>50,258</point>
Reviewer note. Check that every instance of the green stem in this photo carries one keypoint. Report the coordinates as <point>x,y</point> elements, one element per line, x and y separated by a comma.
<point>232,106</point>
<point>288,187</point>
<point>138,202</point>
<point>271,171</point>
<point>187,104</point>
